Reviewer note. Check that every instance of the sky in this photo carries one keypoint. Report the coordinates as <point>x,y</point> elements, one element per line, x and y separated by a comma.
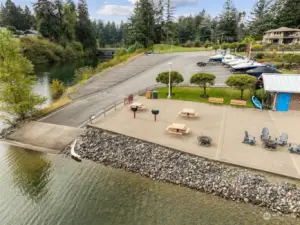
<point>117,10</point>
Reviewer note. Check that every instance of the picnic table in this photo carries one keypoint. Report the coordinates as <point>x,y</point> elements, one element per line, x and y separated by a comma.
<point>178,129</point>
<point>190,113</point>
<point>139,106</point>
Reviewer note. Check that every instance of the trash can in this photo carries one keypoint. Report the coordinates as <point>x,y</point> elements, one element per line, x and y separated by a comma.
<point>155,94</point>
<point>148,94</point>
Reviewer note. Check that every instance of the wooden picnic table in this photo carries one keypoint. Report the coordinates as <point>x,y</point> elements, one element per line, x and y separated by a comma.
<point>140,106</point>
<point>177,128</point>
<point>188,113</point>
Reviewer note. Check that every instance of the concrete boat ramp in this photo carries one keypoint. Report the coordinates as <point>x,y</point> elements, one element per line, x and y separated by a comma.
<point>44,137</point>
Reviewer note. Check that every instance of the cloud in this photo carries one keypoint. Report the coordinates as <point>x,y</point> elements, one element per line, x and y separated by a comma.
<point>176,3</point>
<point>185,2</point>
<point>116,10</point>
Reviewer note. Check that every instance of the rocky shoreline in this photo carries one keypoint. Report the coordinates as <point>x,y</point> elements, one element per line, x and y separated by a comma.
<point>167,165</point>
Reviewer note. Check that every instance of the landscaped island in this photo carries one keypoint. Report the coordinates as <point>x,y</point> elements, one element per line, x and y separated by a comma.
<point>168,165</point>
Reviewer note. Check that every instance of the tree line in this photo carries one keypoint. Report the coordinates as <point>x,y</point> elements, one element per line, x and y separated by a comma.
<point>151,22</point>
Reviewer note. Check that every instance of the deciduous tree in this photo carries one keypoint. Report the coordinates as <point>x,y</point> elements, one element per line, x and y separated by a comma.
<point>16,95</point>
<point>176,78</point>
<point>203,80</point>
<point>241,82</point>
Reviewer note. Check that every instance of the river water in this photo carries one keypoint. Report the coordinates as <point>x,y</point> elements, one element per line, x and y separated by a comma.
<point>47,189</point>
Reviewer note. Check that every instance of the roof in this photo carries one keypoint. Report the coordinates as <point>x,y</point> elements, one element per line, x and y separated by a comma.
<point>288,83</point>
<point>282,29</point>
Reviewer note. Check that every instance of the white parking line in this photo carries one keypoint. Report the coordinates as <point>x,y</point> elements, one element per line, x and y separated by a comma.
<point>221,135</point>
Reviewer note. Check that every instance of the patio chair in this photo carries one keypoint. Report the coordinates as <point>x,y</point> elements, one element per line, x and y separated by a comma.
<point>282,139</point>
<point>265,134</point>
<point>250,140</point>
<point>294,149</point>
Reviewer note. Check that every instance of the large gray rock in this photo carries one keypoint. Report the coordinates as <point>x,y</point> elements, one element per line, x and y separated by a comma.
<point>160,163</point>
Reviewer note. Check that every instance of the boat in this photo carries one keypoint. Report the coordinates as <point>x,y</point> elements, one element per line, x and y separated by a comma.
<point>257,72</point>
<point>256,102</point>
<point>239,61</point>
<point>216,58</point>
<point>246,66</point>
<point>74,155</point>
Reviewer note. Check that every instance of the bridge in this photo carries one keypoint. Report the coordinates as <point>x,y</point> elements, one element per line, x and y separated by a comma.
<point>106,52</point>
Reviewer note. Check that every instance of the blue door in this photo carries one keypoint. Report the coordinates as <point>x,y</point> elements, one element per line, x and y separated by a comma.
<point>283,101</point>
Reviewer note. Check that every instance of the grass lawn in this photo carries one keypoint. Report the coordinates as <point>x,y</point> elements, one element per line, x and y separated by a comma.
<point>285,71</point>
<point>193,94</point>
<point>164,48</point>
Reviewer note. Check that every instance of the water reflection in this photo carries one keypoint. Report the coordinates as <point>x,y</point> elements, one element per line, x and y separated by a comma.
<point>30,172</point>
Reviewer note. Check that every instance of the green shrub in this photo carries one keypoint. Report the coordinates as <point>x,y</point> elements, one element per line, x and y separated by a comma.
<point>12,29</point>
<point>197,43</point>
<point>57,88</point>
<point>70,52</point>
<point>257,47</point>
<point>134,47</point>
<point>40,50</point>
<point>278,65</point>
<point>259,56</point>
<point>189,44</point>
<point>84,73</point>
<point>121,51</point>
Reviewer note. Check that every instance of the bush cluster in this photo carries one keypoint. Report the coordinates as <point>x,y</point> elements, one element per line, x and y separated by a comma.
<point>40,50</point>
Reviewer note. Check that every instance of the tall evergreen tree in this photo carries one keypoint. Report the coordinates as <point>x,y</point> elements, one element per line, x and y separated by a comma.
<point>288,13</point>
<point>69,20</point>
<point>170,10</point>
<point>28,18</point>
<point>159,21</point>
<point>262,18</point>
<point>229,21</point>
<point>143,22</point>
<point>84,29</point>
<point>46,19</point>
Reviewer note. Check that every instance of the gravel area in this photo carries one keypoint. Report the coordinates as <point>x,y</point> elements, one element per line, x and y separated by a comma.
<point>167,165</point>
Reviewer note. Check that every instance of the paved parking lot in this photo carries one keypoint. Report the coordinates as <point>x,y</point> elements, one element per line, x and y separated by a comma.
<point>123,80</point>
<point>224,124</point>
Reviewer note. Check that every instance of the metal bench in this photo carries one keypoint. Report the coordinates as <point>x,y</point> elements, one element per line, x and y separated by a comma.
<point>216,100</point>
<point>238,102</point>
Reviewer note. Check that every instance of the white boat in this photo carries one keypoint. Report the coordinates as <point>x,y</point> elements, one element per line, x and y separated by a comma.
<point>239,61</point>
<point>231,58</point>
<point>218,57</point>
<point>246,66</point>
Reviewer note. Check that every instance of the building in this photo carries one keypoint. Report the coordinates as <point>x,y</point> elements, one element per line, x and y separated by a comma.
<point>285,89</point>
<point>282,35</point>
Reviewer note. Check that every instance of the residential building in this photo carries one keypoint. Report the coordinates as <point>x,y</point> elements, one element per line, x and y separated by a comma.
<point>282,35</point>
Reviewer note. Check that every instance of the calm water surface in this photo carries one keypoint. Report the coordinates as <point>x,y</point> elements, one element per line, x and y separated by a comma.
<point>47,189</point>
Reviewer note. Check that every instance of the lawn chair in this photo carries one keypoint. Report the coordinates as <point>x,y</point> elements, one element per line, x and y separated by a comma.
<point>250,140</point>
<point>294,149</point>
<point>282,139</point>
<point>265,134</point>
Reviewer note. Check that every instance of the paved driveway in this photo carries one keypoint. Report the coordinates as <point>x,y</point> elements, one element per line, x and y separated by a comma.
<point>149,66</point>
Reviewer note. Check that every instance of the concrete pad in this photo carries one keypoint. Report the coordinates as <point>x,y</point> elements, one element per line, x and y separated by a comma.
<point>224,124</point>
<point>45,135</point>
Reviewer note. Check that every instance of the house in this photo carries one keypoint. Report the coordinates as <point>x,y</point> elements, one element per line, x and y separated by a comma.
<point>282,35</point>
<point>285,89</point>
